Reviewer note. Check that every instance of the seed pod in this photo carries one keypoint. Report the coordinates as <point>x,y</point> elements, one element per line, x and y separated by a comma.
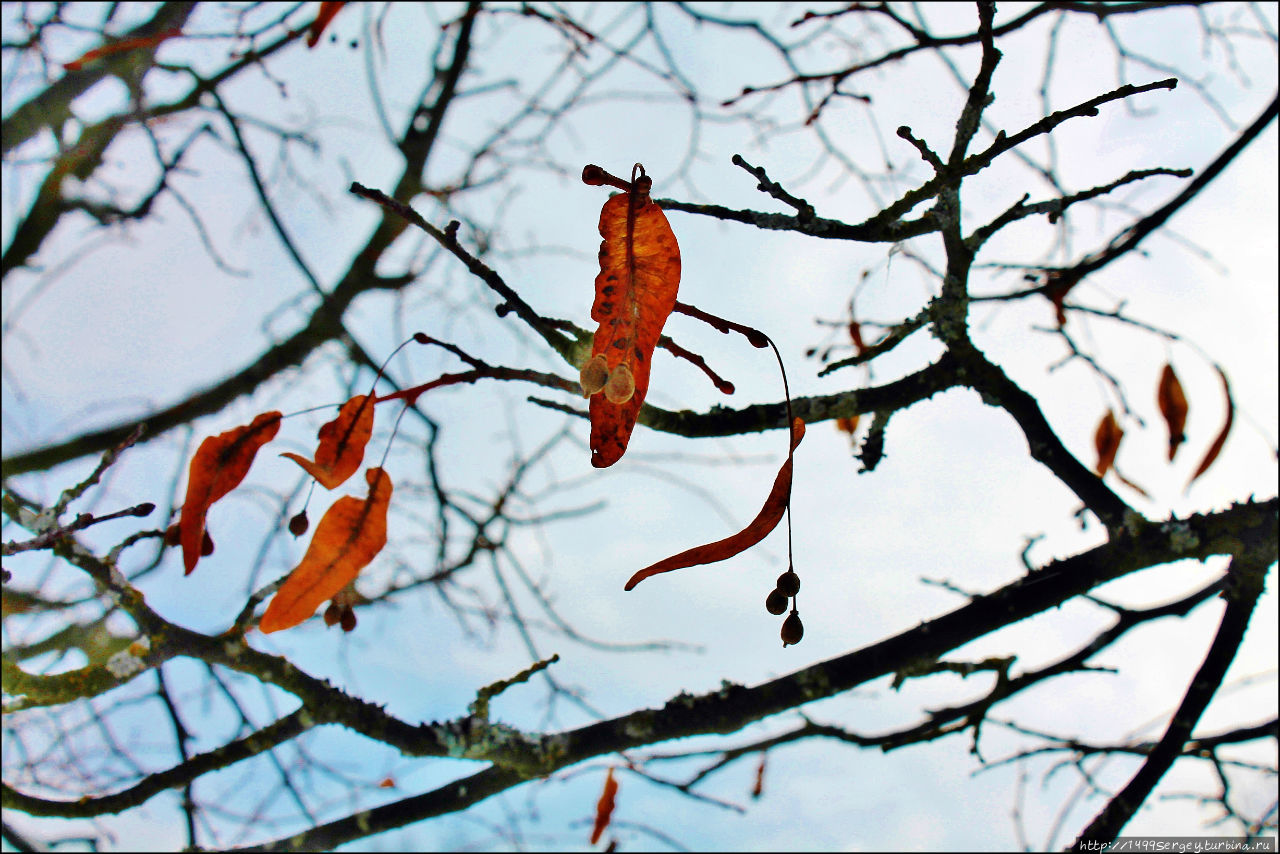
<point>776,602</point>
<point>621,385</point>
<point>332,614</point>
<point>594,374</point>
<point>348,619</point>
<point>789,583</point>
<point>298,524</point>
<point>792,629</point>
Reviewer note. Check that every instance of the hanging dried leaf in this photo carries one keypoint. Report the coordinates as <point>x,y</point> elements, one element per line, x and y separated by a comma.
<point>848,425</point>
<point>604,807</point>
<point>1056,288</point>
<point>855,335</point>
<point>350,534</point>
<point>758,788</point>
<point>1216,447</point>
<point>1106,440</point>
<point>635,292</point>
<point>342,443</point>
<point>327,11</point>
<point>220,463</point>
<point>1173,406</point>
<point>766,520</point>
<point>1129,483</point>
<point>120,47</point>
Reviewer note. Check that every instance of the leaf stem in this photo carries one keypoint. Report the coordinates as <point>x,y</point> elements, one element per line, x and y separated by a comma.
<point>786,391</point>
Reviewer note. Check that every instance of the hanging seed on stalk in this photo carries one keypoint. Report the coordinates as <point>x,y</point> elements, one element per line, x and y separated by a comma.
<point>789,582</point>
<point>792,629</point>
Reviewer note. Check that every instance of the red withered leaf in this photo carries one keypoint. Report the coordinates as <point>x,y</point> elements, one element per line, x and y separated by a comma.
<point>758,788</point>
<point>1216,447</point>
<point>635,292</point>
<point>342,442</point>
<point>1056,289</point>
<point>349,536</point>
<point>1129,483</point>
<point>1106,440</point>
<point>1173,406</point>
<point>604,807</point>
<point>327,11</point>
<point>766,520</point>
<point>220,463</point>
<point>855,335</point>
<point>120,47</point>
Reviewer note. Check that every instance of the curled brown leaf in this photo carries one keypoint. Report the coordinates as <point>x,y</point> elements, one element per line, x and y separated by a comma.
<point>758,788</point>
<point>1216,447</point>
<point>604,807</point>
<point>317,28</point>
<point>342,443</point>
<point>349,536</point>
<point>219,464</point>
<point>1106,441</point>
<point>634,294</point>
<point>766,520</point>
<point>1173,407</point>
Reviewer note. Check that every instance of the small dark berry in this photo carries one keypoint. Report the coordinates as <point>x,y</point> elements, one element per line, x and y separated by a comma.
<point>144,509</point>
<point>421,338</point>
<point>298,524</point>
<point>789,582</point>
<point>206,545</point>
<point>332,614</point>
<point>776,603</point>
<point>792,629</point>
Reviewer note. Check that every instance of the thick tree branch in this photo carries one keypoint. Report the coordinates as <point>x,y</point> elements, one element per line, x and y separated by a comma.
<point>1246,577</point>
<point>734,706</point>
<point>52,106</point>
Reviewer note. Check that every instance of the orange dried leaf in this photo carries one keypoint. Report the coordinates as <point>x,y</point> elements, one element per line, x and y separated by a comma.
<point>855,335</point>
<point>604,807</point>
<point>1106,440</point>
<point>387,783</point>
<point>349,536</point>
<point>120,47</point>
<point>1216,447</point>
<point>1173,406</point>
<point>220,463</point>
<point>758,789</point>
<point>342,443</point>
<point>848,425</point>
<point>1129,483</point>
<point>1056,289</point>
<point>327,11</point>
<point>766,520</point>
<point>635,292</point>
